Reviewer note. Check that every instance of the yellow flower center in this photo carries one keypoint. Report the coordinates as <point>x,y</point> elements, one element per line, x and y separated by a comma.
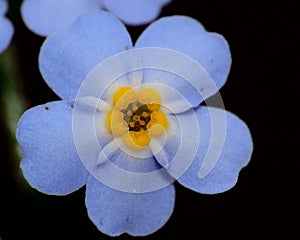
<point>136,116</point>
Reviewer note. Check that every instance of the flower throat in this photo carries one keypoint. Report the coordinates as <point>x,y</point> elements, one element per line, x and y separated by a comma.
<point>136,116</point>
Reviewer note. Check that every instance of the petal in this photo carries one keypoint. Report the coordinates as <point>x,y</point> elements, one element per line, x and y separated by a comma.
<point>225,148</point>
<point>44,17</point>
<point>180,147</point>
<point>128,173</point>
<point>3,7</point>
<point>6,27</point>
<point>183,83</point>
<point>132,163</point>
<point>188,36</point>
<point>177,89</point>
<point>89,127</point>
<point>115,212</point>
<point>135,12</point>
<point>50,162</point>
<point>107,158</point>
<point>6,33</point>
<point>67,57</point>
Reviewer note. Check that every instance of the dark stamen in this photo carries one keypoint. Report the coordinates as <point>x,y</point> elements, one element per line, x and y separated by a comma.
<point>138,118</point>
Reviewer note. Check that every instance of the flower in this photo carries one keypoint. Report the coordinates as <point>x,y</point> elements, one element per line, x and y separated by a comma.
<point>6,27</point>
<point>44,17</point>
<point>134,125</point>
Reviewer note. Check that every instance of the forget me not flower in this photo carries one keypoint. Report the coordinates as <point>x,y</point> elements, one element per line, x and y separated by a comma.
<point>135,124</point>
<point>44,17</point>
<point>6,27</point>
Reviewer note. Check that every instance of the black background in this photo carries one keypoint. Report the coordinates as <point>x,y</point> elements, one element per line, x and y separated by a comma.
<point>253,207</point>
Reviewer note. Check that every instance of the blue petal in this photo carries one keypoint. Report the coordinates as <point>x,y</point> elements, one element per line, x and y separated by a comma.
<point>6,33</point>
<point>3,7</point>
<point>225,148</point>
<point>115,212</point>
<point>188,36</point>
<point>50,162</point>
<point>67,57</point>
<point>128,173</point>
<point>180,146</point>
<point>179,93</point>
<point>44,17</point>
<point>110,160</point>
<point>135,12</point>
<point>182,84</point>
<point>6,27</point>
<point>133,163</point>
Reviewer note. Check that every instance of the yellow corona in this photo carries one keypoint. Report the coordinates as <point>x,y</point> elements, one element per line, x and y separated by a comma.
<point>136,116</point>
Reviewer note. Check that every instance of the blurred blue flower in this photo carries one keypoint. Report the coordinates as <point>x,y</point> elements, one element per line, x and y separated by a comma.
<point>128,136</point>
<point>44,17</point>
<point>6,27</point>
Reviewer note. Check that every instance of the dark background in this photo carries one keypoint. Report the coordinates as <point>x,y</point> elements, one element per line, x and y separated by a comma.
<point>253,30</point>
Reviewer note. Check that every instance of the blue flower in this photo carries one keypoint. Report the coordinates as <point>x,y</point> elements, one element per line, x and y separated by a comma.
<point>44,17</point>
<point>6,27</point>
<point>130,121</point>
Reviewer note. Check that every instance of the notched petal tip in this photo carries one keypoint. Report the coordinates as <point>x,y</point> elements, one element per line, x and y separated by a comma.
<point>45,17</point>
<point>136,12</point>
<point>115,212</point>
<point>187,35</point>
<point>225,148</point>
<point>67,57</point>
